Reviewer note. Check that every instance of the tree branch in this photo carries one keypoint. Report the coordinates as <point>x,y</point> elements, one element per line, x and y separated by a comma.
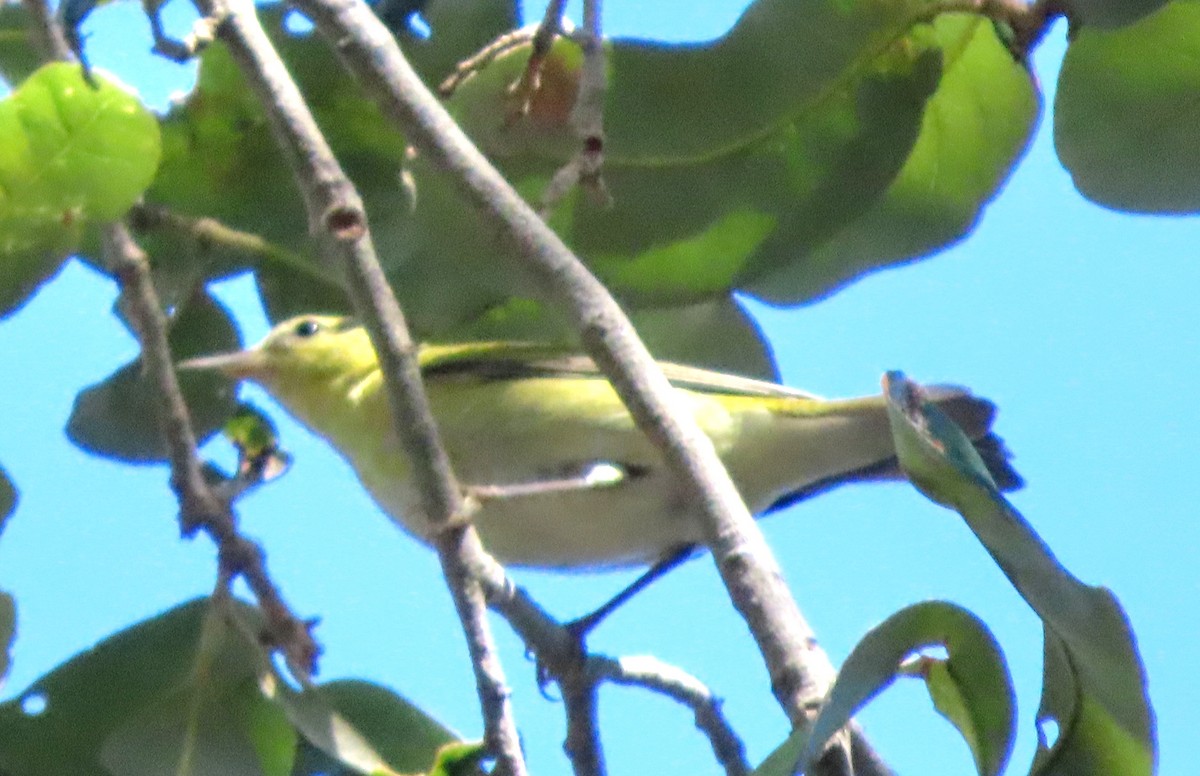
<point>199,507</point>
<point>587,119</point>
<point>207,232</point>
<point>800,671</point>
<point>49,34</point>
<point>653,674</point>
<point>336,216</point>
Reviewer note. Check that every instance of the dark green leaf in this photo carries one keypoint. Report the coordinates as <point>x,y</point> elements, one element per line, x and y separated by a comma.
<point>684,103</point>
<point>1095,685</point>
<point>971,688</point>
<point>408,738</point>
<point>1126,117</point>
<point>215,722</point>
<point>191,691</point>
<point>287,293</point>
<point>459,29</point>
<point>1091,741</point>
<point>90,697</point>
<point>115,418</point>
<point>974,128</point>
<point>35,263</point>
<point>1110,13</point>
<point>8,632</point>
<point>717,334</point>
<point>805,126</point>
<point>682,228</point>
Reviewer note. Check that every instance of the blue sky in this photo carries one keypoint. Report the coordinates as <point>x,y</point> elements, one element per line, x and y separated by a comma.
<point>1081,323</point>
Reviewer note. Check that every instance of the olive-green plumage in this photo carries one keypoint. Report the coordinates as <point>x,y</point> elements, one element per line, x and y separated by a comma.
<point>521,414</point>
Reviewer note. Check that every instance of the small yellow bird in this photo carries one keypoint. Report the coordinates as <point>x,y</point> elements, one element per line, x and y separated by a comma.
<point>588,490</point>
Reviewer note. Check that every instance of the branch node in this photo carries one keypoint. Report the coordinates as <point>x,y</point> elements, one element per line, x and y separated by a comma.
<point>346,222</point>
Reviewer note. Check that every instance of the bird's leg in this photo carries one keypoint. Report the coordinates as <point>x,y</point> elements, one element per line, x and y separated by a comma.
<point>581,626</point>
<point>596,474</point>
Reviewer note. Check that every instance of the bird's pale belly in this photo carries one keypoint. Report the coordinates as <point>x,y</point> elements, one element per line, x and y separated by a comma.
<point>633,521</point>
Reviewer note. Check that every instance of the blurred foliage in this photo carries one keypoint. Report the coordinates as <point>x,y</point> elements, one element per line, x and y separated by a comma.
<point>196,679</point>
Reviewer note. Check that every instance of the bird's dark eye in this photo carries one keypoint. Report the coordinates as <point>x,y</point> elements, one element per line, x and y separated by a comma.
<point>307,328</point>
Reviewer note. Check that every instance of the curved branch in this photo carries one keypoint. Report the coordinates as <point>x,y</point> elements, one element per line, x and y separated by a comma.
<point>653,674</point>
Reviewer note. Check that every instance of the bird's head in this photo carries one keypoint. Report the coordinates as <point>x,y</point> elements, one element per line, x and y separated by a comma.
<point>299,351</point>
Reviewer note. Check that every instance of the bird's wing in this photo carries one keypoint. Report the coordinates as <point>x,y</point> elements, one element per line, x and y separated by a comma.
<point>516,360</point>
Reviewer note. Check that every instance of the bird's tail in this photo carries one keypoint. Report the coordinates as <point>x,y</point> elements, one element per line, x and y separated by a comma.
<point>974,415</point>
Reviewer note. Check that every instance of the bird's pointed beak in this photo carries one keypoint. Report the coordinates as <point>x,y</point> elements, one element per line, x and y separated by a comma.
<point>239,364</point>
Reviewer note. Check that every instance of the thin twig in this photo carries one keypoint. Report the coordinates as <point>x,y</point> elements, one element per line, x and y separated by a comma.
<point>530,82</point>
<point>800,671</point>
<point>466,69</point>
<point>560,655</point>
<point>199,507</point>
<point>587,118</point>
<point>337,218</point>
<point>677,684</point>
<point>207,232</point>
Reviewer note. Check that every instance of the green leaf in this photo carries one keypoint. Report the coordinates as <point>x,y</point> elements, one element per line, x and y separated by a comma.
<point>688,227</point>
<point>8,498</point>
<point>8,632</point>
<point>286,293</point>
<point>718,334</point>
<point>810,111</point>
<point>215,721</point>
<point>257,442</point>
<point>73,148</point>
<point>408,738</point>
<point>61,722</point>
<point>1126,118</point>
<point>683,103</point>
<point>1095,683</point>
<point>70,154</point>
<point>114,418</point>
<point>974,128</point>
<point>459,28</point>
<point>971,688</point>
<point>191,691</point>
<point>458,759</point>
<point>329,742</point>
<point>1110,13</point>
